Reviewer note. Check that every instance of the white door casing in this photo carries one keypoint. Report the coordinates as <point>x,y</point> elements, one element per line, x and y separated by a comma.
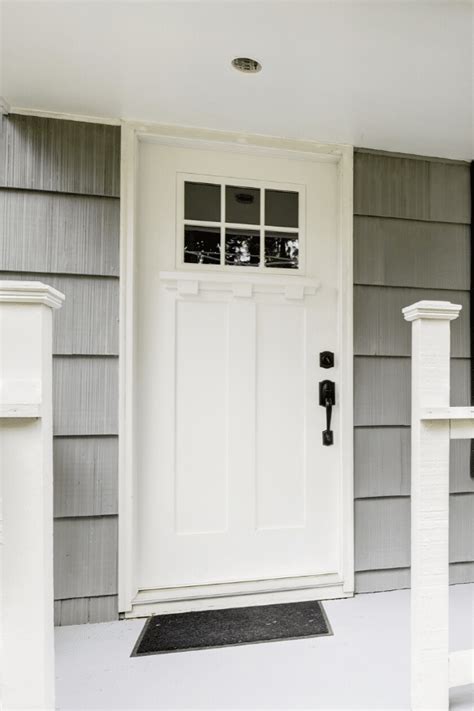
<point>227,496</point>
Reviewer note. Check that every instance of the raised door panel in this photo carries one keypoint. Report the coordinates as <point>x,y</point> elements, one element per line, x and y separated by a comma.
<point>202,377</point>
<point>280,416</point>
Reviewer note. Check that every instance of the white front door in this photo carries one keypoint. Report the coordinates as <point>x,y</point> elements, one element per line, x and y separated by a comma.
<point>238,291</point>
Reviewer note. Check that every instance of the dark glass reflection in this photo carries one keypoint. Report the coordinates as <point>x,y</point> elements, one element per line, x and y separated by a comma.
<point>242,248</point>
<point>242,205</point>
<point>202,245</point>
<point>202,201</point>
<point>281,208</point>
<point>281,250</point>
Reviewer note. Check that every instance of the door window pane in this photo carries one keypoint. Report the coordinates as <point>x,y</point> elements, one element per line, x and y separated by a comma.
<point>242,248</point>
<point>202,201</point>
<point>242,205</point>
<point>281,250</point>
<point>281,208</point>
<point>202,245</point>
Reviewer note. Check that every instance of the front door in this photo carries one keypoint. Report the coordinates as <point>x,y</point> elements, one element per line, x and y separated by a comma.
<point>238,292</point>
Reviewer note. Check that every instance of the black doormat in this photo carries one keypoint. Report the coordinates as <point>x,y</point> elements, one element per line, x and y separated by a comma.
<point>239,625</point>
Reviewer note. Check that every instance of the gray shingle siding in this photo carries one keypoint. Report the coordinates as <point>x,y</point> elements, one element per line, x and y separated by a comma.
<point>59,221</point>
<point>411,242</point>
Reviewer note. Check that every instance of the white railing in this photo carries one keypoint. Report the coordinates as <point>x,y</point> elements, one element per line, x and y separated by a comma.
<point>433,669</point>
<point>26,495</point>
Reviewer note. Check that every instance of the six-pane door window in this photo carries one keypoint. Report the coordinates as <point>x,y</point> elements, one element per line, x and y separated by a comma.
<point>241,226</point>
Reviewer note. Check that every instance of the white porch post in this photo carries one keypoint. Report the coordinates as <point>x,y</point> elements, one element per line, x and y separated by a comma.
<point>430,504</point>
<point>26,493</point>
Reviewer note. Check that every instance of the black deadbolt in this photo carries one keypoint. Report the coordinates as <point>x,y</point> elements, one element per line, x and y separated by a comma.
<point>326,359</point>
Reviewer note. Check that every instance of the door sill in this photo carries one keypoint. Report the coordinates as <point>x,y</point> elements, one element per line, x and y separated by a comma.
<point>223,595</point>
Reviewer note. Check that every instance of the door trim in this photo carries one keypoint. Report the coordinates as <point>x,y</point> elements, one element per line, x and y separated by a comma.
<point>340,154</point>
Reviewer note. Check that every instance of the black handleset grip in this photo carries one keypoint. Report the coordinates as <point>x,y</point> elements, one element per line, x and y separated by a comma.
<point>327,399</point>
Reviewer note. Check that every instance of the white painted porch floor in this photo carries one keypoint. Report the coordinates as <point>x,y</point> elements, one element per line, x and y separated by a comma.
<point>365,665</point>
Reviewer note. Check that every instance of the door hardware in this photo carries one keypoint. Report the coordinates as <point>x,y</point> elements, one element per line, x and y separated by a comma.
<point>326,359</point>
<point>327,399</point>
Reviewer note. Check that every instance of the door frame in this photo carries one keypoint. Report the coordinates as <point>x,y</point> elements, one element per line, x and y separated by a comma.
<point>342,155</point>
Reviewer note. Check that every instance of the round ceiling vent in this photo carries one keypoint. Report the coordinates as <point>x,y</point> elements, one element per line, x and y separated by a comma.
<point>247,65</point>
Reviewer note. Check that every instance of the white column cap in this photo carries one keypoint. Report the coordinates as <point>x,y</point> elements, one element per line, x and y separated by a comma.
<point>441,310</point>
<point>30,292</point>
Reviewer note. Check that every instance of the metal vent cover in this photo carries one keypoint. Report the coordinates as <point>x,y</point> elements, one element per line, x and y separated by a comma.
<point>247,65</point>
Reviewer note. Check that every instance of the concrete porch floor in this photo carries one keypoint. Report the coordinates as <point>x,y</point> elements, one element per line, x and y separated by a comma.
<point>365,665</point>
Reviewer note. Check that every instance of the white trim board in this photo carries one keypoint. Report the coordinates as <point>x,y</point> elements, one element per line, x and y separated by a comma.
<point>214,139</point>
<point>342,155</point>
<point>5,108</point>
<point>149,130</point>
<point>221,596</point>
<point>40,113</point>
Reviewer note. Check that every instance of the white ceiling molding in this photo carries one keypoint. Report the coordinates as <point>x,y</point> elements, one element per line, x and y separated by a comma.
<point>64,116</point>
<point>4,106</point>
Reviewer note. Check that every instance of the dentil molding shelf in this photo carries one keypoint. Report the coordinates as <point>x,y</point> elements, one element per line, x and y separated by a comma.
<point>240,285</point>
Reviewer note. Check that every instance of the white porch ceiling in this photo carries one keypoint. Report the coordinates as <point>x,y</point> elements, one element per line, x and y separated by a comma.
<point>393,75</point>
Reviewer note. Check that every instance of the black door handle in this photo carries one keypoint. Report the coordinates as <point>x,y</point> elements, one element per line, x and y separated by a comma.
<point>327,399</point>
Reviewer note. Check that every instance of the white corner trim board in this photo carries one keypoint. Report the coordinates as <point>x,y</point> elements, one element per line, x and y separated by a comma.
<point>434,423</point>
<point>30,292</point>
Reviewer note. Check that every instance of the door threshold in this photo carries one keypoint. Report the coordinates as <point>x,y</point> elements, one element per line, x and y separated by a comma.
<point>211,597</point>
